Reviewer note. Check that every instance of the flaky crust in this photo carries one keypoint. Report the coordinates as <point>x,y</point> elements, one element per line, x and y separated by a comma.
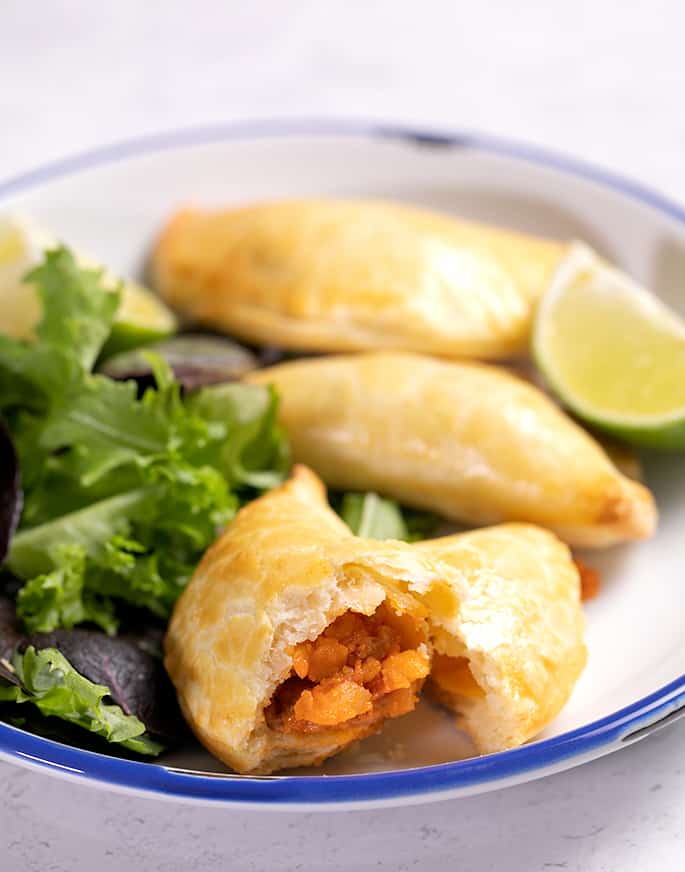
<point>283,570</point>
<point>520,625</point>
<point>327,275</point>
<point>469,441</point>
<point>505,598</point>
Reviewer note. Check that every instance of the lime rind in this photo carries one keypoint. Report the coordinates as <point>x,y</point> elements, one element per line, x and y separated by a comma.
<point>660,430</point>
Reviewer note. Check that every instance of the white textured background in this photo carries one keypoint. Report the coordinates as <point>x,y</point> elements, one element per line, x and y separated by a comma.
<point>603,80</point>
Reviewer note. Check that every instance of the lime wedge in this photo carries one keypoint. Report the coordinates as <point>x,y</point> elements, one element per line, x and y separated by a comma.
<point>142,317</point>
<point>612,352</point>
<point>21,247</point>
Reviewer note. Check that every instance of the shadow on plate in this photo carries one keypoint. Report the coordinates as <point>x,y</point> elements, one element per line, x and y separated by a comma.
<point>523,212</point>
<point>425,737</point>
<point>668,274</point>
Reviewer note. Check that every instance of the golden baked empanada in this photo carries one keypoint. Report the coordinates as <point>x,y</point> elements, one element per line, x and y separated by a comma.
<point>334,275</point>
<point>295,637</point>
<point>517,651</point>
<point>469,441</point>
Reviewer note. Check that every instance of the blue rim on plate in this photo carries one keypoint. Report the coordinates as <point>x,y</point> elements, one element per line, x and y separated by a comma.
<point>384,787</point>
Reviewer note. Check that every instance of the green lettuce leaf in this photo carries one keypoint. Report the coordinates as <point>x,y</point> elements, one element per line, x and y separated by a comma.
<point>374,517</point>
<point>48,681</point>
<point>140,547</point>
<point>59,599</point>
<point>32,554</point>
<point>78,312</point>
<point>249,448</point>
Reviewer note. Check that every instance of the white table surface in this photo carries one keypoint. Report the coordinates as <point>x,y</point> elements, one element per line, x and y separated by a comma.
<point>598,79</point>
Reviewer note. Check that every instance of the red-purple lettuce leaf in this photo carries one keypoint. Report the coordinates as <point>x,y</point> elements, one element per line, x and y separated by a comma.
<point>11,497</point>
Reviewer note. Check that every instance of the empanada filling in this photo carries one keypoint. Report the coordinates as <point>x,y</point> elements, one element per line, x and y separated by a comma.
<point>453,676</point>
<point>360,670</point>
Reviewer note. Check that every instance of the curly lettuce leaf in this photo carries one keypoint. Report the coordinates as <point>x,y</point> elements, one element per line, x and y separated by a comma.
<point>59,599</point>
<point>77,316</point>
<point>78,308</point>
<point>140,548</point>
<point>48,681</point>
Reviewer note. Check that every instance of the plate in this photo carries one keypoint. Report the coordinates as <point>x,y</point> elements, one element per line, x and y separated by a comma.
<point>112,201</point>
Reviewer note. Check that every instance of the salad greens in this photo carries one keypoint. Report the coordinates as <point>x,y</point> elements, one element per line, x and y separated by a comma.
<point>115,687</point>
<point>47,680</point>
<point>122,494</point>
<point>374,517</point>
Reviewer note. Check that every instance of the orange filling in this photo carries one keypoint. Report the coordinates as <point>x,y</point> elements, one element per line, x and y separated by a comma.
<point>360,670</point>
<point>453,675</point>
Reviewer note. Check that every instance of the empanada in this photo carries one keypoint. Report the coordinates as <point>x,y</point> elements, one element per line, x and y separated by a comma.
<point>295,637</point>
<point>334,275</point>
<point>469,441</point>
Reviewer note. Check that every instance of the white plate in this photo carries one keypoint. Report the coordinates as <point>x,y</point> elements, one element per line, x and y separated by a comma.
<point>112,202</point>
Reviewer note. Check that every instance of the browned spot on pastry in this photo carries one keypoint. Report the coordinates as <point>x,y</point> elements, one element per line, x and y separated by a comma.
<point>614,509</point>
<point>629,508</point>
<point>590,580</point>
